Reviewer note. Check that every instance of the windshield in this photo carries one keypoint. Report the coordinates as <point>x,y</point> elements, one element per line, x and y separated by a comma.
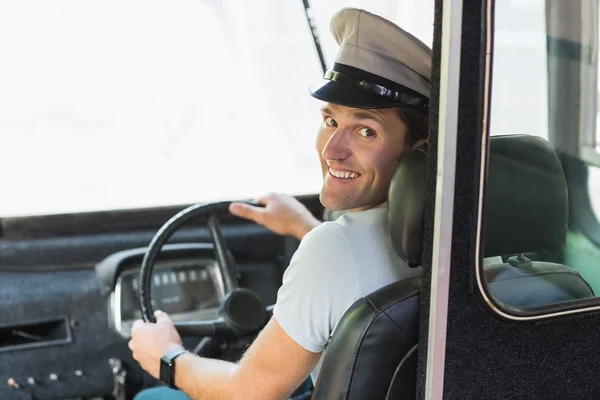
<point>120,104</point>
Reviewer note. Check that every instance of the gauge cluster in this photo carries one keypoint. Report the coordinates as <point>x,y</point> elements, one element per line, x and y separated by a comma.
<point>188,290</point>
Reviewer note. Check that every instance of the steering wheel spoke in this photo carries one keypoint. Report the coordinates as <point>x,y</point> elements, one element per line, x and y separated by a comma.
<point>227,267</point>
<point>213,328</point>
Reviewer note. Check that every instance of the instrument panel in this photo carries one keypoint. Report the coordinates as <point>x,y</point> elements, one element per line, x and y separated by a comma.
<point>188,290</point>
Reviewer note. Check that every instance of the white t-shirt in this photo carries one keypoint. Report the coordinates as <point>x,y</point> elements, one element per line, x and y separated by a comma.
<point>336,264</point>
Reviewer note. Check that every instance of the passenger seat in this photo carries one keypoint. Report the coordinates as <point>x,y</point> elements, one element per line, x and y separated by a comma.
<point>526,210</point>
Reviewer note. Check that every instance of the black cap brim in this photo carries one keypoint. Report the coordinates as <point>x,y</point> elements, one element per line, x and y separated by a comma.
<point>349,94</point>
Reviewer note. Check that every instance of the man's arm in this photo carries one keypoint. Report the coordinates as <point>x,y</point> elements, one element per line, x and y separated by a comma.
<point>272,368</point>
<point>318,287</point>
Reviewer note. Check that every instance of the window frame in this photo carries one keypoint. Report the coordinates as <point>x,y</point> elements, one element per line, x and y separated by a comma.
<point>500,310</point>
<point>589,145</point>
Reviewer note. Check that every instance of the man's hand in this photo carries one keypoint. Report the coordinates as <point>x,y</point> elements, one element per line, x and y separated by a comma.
<point>149,342</point>
<point>282,214</point>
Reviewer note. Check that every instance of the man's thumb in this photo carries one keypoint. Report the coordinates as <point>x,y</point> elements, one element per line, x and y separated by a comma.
<point>161,316</point>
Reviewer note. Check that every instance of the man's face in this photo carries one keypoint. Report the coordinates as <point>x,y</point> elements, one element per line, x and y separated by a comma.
<point>359,150</point>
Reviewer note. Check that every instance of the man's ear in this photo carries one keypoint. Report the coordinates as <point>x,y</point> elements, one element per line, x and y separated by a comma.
<point>414,146</point>
<point>418,143</point>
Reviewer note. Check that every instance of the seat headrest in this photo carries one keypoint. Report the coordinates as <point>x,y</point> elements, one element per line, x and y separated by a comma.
<point>526,203</point>
<point>406,202</point>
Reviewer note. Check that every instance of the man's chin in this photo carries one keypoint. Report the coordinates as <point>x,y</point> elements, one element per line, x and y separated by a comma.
<point>333,204</point>
<point>326,202</point>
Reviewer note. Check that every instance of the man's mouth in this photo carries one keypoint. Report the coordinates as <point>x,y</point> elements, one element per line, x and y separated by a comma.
<point>343,174</point>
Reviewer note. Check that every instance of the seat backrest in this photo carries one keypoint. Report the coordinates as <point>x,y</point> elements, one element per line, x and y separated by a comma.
<point>366,352</point>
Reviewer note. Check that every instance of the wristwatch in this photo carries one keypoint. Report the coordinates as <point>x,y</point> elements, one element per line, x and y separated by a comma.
<point>167,366</point>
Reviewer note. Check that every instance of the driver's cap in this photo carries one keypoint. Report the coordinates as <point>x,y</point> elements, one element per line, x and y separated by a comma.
<point>378,65</point>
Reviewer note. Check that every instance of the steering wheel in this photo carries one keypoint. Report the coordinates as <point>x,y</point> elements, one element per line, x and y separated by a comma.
<point>242,312</point>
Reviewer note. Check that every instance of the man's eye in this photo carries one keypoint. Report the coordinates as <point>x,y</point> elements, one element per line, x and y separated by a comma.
<point>367,132</point>
<point>330,122</point>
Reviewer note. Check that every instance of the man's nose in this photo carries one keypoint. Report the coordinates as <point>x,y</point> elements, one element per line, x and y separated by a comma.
<point>337,146</point>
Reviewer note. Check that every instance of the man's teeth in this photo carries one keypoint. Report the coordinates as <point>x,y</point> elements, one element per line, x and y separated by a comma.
<point>343,174</point>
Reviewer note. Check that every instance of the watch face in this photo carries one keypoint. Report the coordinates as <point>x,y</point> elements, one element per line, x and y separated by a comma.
<point>167,367</point>
<point>165,370</point>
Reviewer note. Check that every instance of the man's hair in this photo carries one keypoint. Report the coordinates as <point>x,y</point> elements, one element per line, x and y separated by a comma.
<point>416,121</point>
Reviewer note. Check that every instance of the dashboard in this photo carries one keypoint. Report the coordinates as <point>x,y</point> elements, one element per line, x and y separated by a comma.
<point>65,308</point>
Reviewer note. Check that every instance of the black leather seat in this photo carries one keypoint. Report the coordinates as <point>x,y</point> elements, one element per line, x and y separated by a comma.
<point>373,351</point>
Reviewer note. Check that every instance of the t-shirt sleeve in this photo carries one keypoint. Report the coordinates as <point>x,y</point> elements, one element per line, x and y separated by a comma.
<point>319,285</point>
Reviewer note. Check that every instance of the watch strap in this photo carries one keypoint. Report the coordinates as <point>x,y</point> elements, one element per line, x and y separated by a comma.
<point>167,366</point>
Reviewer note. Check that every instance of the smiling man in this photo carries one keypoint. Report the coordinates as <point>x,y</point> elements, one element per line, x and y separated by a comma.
<point>376,101</point>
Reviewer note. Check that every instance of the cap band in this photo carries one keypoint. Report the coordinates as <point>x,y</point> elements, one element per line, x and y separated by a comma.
<point>399,96</point>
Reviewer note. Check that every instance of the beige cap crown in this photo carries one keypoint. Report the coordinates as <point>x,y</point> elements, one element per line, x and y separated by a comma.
<point>376,45</point>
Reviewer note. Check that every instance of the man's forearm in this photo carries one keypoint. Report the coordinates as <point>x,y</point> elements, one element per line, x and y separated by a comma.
<point>206,378</point>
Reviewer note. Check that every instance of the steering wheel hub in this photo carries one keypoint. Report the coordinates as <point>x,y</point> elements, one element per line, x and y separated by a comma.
<point>244,310</point>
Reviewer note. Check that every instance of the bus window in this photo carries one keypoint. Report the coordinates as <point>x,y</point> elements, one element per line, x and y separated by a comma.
<point>99,100</point>
<point>542,173</point>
